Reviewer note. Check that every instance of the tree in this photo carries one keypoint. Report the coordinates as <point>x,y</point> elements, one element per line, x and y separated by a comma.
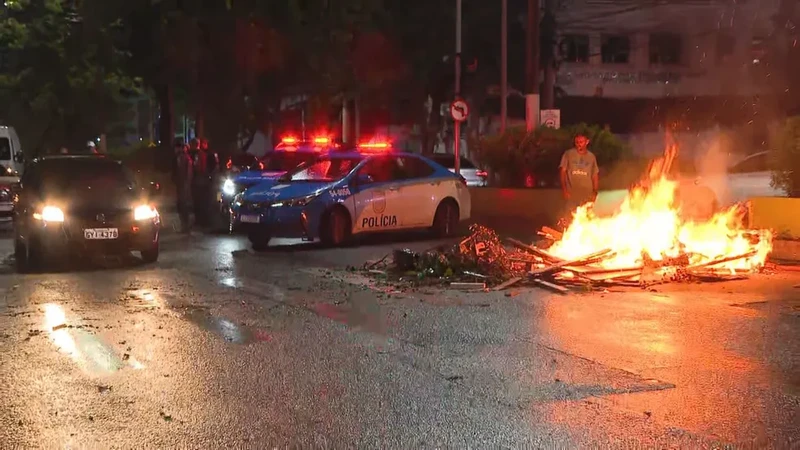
<point>64,83</point>
<point>786,158</point>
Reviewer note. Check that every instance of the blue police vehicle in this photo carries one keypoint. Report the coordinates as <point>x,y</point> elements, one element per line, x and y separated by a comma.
<point>288,154</point>
<point>341,194</point>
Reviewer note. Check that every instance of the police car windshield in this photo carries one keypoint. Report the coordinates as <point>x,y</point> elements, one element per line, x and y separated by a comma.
<point>324,169</point>
<point>281,161</point>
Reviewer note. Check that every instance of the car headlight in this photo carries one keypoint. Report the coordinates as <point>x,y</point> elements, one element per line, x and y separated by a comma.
<point>50,214</point>
<point>296,202</point>
<point>144,212</point>
<point>229,187</point>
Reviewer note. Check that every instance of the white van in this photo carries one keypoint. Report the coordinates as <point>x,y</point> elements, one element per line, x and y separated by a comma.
<point>11,158</point>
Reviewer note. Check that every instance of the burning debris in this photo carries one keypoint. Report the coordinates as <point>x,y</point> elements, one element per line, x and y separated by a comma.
<point>651,239</point>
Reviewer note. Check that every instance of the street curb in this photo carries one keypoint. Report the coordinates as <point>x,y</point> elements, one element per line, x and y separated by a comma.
<point>785,252</point>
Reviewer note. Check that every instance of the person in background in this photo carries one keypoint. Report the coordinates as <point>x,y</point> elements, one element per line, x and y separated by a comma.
<point>183,183</point>
<point>201,183</point>
<point>579,175</point>
<point>91,147</point>
<point>212,157</point>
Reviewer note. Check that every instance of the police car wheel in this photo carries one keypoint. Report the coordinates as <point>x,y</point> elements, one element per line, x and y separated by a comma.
<point>336,227</point>
<point>259,239</point>
<point>445,221</point>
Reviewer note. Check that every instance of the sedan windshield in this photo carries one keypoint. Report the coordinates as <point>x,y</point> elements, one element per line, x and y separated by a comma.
<point>324,169</point>
<point>285,161</point>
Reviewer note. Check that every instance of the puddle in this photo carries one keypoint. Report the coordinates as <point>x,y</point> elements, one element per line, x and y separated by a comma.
<point>223,328</point>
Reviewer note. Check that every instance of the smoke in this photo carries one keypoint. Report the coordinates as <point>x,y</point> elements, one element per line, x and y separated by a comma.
<point>713,157</point>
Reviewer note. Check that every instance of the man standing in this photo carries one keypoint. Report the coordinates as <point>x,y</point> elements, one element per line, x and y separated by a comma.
<point>579,174</point>
<point>183,183</point>
<point>200,183</point>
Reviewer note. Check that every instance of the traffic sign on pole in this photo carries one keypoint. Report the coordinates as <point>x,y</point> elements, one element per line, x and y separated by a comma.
<point>459,110</point>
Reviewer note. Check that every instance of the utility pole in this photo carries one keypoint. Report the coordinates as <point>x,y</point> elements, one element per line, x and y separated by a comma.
<point>456,123</point>
<point>504,66</point>
<point>532,58</point>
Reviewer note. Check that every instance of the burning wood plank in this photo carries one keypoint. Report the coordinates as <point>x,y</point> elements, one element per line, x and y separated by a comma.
<point>508,283</point>
<point>534,250</point>
<point>468,286</point>
<point>578,262</point>
<point>553,235</point>
<point>552,286</point>
<point>724,260</point>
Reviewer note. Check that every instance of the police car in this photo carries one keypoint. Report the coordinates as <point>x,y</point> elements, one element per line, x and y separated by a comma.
<point>351,192</point>
<point>288,154</point>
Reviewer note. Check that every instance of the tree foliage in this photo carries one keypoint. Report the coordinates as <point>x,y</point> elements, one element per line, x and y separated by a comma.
<point>516,154</point>
<point>64,82</point>
<point>786,158</point>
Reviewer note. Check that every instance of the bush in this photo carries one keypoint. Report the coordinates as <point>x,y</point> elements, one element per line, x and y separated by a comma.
<point>517,155</point>
<point>786,158</point>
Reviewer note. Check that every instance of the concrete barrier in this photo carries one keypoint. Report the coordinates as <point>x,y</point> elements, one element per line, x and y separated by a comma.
<point>780,214</point>
<point>540,206</point>
<point>520,212</point>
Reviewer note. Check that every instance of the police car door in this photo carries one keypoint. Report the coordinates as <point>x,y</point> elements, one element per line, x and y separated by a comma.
<point>377,205</point>
<point>419,191</point>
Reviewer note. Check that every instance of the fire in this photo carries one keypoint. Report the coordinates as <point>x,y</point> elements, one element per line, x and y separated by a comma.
<point>650,225</point>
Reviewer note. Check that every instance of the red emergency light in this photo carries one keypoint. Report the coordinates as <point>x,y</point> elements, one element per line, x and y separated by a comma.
<point>322,140</point>
<point>375,146</point>
<point>289,140</point>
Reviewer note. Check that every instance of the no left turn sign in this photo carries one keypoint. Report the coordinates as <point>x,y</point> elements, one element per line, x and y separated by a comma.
<point>459,110</point>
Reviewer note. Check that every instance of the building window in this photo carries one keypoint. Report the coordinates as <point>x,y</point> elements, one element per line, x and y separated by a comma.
<point>665,48</point>
<point>615,49</point>
<point>575,48</point>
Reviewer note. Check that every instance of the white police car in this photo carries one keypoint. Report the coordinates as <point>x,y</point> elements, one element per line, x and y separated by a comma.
<point>351,192</point>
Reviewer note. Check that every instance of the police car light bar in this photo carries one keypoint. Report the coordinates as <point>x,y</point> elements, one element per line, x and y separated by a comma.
<point>322,140</point>
<point>375,145</point>
<point>289,140</point>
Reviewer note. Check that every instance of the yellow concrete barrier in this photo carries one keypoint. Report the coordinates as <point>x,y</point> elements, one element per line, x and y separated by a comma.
<point>781,214</point>
<point>534,204</point>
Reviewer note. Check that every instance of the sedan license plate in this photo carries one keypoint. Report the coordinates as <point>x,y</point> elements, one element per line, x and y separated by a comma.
<point>245,218</point>
<point>101,233</point>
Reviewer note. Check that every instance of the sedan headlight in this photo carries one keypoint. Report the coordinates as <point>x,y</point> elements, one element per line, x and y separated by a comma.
<point>296,202</point>
<point>144,212</point>
<point>229,188</point>
<point>50,214</point>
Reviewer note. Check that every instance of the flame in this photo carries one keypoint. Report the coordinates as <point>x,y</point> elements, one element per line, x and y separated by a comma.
<point>650,225</point>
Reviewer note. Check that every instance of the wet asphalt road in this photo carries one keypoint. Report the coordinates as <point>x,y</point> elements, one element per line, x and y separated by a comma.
<point>215,346</point>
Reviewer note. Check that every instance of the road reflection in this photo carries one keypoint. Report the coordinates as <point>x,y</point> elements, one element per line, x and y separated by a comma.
<point>708,350</point>
<point>88,351</point>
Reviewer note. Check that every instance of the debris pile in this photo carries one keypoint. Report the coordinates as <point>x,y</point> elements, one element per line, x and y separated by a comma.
<point>485,261</point>
<point>664,230</point>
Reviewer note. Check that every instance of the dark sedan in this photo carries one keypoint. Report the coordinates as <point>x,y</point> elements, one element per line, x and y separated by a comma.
<point>82,205</point>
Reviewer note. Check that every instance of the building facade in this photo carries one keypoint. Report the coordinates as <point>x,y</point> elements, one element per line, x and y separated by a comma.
<point>649,49</point>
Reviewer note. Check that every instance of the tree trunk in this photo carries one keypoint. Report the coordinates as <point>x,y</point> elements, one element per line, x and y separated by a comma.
<point>548,93</point>
<point>200,124</point>
<point>166,125</point>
